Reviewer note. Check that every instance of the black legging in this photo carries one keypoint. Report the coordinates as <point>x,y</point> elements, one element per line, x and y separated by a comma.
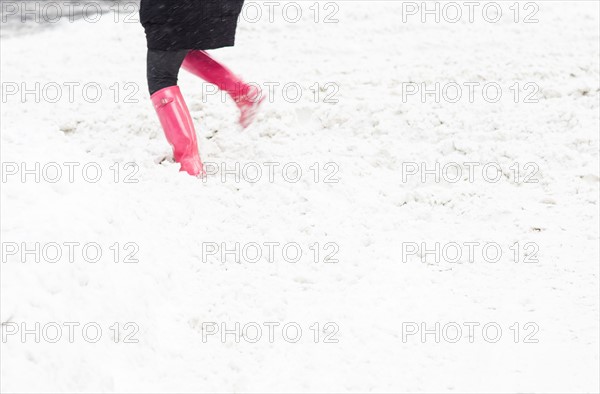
<point>163,68</point>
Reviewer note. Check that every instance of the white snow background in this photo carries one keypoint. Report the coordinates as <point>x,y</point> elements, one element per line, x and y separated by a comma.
<point>369,53</point>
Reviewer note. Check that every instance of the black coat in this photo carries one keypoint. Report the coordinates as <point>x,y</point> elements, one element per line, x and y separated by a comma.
<point>190,24</point>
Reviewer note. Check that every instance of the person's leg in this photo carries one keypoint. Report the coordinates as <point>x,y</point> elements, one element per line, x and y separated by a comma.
<point>247,97</point>
<point>163,68</point>
<point>174,116</point>
<point>202,65</point>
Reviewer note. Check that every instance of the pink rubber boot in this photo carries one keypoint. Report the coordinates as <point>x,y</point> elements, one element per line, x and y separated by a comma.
<point>247,97</point>
<point>179,128</point>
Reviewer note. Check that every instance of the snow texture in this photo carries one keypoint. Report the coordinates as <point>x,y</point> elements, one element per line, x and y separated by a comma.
<point>371,214</point>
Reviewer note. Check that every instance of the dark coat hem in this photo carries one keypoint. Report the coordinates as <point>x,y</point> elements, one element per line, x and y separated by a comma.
<point>197,24</point>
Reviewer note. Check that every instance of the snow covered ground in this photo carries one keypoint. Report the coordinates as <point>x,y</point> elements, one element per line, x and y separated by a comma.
<point>377,320</point>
